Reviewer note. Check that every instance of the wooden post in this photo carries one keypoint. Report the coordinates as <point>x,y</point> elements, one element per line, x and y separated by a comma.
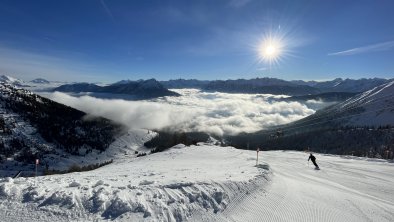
<point>257,159</point>
<point>37,162</point>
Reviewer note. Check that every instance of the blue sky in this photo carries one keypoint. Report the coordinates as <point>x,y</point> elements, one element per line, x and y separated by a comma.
<point>103,40</point>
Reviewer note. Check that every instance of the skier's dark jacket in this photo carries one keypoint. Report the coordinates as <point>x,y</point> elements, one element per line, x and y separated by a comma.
<point>311,157</point>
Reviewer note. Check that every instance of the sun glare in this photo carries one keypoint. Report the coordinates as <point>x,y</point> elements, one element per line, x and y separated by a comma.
<point>270,50</point>
<point>272,47</point>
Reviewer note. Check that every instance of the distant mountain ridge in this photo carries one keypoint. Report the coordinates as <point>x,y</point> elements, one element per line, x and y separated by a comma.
<point>152,88</point>
<point>141,89</point>
<point>261,86</point>
<point>185,83</point>
<point>78,87</point>
<point>345,85</point>
<point>278,86</point>
<point>40,81</point>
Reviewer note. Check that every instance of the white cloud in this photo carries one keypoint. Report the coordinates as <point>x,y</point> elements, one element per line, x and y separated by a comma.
<point>317,104</point>
<point>217,113</point>
<point>384,46</point>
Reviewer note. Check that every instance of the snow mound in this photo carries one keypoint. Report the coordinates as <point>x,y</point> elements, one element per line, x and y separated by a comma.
<point>146,182</point>
<point>74,184</point>
<point>174,185</point>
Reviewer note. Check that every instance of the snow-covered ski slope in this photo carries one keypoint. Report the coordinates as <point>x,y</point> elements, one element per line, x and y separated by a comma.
<point>209,183</point>
<point>344,189</point>
<point>168,186</point>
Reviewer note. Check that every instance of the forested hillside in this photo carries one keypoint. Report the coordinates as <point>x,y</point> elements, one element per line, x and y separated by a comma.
<point>31,126</point>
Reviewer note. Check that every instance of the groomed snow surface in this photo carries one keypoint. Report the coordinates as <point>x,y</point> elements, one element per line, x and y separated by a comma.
<point>209,183</point>
<point>344,189</point>
<point>173,185</point>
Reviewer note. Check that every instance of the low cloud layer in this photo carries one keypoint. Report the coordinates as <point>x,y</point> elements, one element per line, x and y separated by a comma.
<point>216,113</point>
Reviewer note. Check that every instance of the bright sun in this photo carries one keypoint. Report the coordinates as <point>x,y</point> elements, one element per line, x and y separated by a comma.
<point>270,49</point>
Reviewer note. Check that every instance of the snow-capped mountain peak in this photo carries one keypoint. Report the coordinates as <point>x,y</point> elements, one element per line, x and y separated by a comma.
<point>11,80</point>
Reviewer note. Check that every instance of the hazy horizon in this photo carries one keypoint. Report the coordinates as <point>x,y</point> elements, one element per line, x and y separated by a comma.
<point>147,78</point>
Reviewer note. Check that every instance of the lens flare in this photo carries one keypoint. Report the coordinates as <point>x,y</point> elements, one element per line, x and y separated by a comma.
<point>274,45</point>
<point>270,49</point>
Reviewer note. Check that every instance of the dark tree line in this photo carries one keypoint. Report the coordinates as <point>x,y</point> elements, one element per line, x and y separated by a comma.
<point>165,140</point>
<point>67,128</point>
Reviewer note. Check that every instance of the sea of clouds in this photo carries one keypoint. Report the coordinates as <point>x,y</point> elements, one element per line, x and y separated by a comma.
<point>211,112</point>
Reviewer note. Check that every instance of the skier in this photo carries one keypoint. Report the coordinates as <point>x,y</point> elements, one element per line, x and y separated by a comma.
<point>313,158</point>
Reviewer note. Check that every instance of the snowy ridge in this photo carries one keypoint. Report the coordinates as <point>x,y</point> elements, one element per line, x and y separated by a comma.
<point>11,80</point>
<point>174,185</point>
<point>370,108</point>
<point>385,91</point>
<point>376,104</point>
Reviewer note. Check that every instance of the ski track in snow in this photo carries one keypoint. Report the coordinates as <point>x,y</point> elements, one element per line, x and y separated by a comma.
<point>208,183</point>
<point>345,189</point>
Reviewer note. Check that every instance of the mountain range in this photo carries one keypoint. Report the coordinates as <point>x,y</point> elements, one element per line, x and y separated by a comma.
<point>260,86</point>
<point>151,88</point>
<point>144,89</point>
<point>141,89</point>
<point>279,86</point>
